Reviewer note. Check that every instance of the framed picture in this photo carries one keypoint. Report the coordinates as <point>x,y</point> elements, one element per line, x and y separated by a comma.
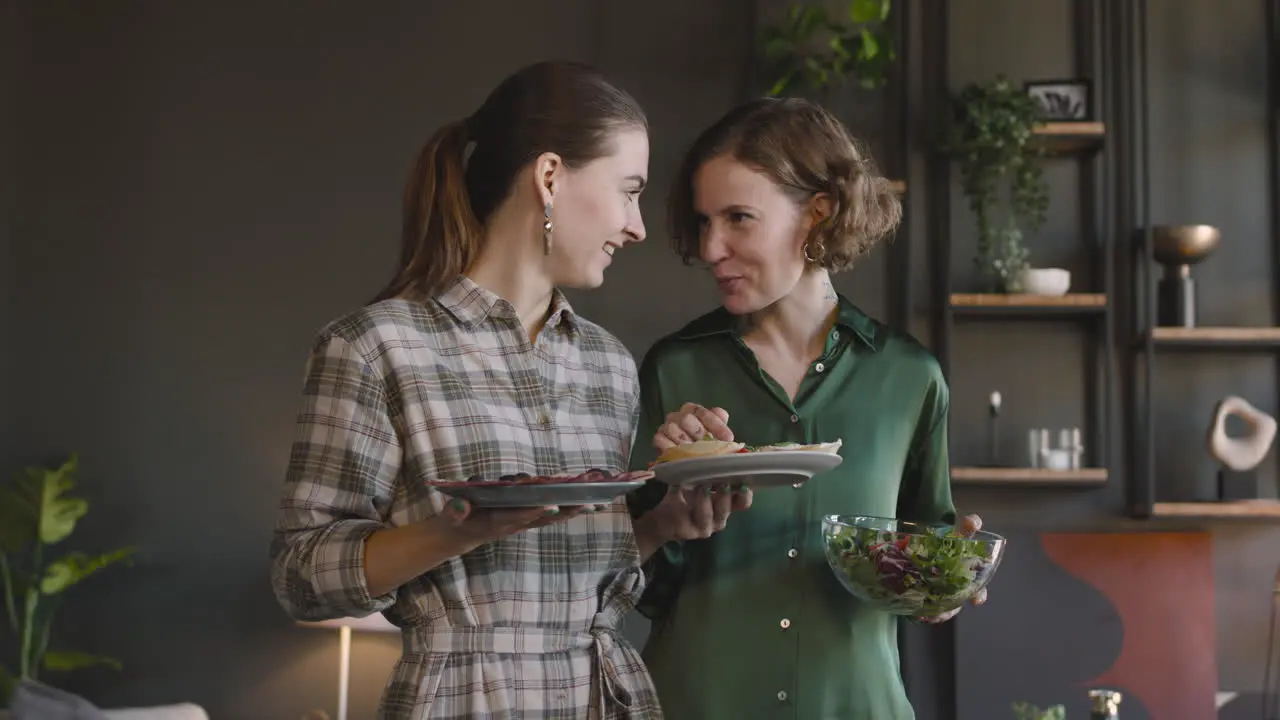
<point>1063,100</point>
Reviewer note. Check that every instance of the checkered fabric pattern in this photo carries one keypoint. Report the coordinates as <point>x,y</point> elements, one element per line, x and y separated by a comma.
<point>401,392</point>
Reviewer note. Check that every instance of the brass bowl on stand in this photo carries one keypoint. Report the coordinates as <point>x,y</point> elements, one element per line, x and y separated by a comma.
<point>1177,248</point>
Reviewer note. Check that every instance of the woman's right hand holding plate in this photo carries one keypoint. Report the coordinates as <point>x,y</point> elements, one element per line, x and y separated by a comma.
<point>697,512</point>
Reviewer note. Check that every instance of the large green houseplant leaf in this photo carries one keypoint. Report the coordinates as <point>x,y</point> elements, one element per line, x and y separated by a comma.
<point>818,49</point>
<point>38,513</point>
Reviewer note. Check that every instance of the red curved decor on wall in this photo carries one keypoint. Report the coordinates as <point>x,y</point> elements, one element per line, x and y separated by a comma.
<point>1161,586</point>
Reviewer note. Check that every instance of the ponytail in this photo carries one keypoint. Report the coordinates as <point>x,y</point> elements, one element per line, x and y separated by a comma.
<point>440,234</point>
<point>552,106</point>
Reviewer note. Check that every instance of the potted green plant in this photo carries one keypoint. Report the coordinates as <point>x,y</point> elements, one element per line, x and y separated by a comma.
<point>812,47</point>
<point>37,514</point>
<point>990,134</point>
<point>1027,711</point>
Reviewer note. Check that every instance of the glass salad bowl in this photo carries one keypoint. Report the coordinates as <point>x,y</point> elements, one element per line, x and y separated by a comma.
<point>906,568</point>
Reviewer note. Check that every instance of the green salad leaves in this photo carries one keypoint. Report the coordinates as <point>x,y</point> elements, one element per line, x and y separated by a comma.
<point>907,573</point>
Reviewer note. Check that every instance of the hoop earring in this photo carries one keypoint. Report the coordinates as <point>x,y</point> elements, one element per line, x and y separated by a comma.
<point>821,251</point>
<point>546,230</point>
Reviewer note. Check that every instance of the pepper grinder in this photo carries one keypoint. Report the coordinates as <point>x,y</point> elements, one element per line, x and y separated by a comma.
<point>994,410</point>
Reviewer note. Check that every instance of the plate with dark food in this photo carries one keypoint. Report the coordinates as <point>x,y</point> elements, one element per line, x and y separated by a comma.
<point>522,490</point>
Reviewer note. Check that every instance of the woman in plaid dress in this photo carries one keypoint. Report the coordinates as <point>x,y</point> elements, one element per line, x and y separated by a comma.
<point>472,363</point>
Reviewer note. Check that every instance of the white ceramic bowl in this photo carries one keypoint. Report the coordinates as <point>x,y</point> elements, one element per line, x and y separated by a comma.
<point>1045,281</point>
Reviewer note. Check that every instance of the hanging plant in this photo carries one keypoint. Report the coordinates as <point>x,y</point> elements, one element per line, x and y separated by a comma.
<point>813,48</point>
<point>991,137</point>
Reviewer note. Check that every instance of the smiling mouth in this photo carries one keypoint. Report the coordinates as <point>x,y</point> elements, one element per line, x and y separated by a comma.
<point>609,250</point>
<point>729,284</point>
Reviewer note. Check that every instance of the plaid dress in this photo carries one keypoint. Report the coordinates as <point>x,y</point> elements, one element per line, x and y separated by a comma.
<point>399,392</point>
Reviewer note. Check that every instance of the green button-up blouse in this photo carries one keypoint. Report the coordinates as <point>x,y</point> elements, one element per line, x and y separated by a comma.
<point>751,623</point>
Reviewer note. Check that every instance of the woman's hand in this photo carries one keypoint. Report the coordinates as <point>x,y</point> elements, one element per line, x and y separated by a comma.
<point>694,513</point>
<point>689,513</point>
<point>690,423</point>
<point>395,555</point>
<point>969,524</point>
<point>471,527</point>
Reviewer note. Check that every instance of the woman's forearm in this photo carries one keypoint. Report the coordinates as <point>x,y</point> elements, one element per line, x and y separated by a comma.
<point>648,536</point>
<point>394,556</point>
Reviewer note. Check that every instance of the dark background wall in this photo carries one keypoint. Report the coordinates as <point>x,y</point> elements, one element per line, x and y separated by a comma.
<point>196,187</point>
<point>9,40</point>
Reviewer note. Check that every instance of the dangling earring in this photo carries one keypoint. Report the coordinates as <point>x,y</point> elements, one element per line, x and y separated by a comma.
<point>546,230</point>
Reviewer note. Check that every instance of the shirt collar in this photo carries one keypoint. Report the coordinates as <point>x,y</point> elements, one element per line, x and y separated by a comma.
<point>471,305</point>
<point>720,322</point>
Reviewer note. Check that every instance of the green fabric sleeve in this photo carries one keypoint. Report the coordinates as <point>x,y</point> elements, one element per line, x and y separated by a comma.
<point>926,484</point>
<point>664,569</point>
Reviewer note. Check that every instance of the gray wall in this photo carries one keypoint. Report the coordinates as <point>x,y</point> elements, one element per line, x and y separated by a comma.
<point>201,186</point>
<point>10,49</point>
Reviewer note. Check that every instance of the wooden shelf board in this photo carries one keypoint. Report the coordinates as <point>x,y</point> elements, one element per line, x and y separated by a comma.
<point>1224,335</point>
<point>1068,137</point>
<point>1028,307</point>
<point>1236,509</point>
<point>1072,129</point>
<point>1007,476</point>
<point>1074,300</point>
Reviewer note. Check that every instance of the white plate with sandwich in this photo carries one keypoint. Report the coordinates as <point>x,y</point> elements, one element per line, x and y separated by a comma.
<point>716,462</point>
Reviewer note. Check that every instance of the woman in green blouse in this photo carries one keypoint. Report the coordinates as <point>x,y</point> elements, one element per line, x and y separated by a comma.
<point>748,621</point>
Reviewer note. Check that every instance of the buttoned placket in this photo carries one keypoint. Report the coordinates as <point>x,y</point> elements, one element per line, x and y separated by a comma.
<point>537,370</point>
<point>531,379</point>
<point>792,614</point>
<point>541,414</point>
<point>789,616</point>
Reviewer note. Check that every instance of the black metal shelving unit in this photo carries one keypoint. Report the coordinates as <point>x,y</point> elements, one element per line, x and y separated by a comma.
<point>1153,340</point>
<point>900,249</point>
<point>1084,143</point>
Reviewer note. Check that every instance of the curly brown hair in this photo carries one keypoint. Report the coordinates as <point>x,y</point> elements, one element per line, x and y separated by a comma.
<point>806,151</point>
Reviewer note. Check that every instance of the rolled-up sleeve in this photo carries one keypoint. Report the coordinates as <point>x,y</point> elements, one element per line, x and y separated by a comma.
<point>342,469</point>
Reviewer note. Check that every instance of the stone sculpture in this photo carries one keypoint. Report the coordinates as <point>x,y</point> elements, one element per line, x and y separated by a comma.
<point>1243,453</point>
<point>1239,455</point>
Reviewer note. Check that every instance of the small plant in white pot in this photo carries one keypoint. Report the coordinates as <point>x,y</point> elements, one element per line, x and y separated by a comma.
<point>1044,281</point>
<point>991,137</point>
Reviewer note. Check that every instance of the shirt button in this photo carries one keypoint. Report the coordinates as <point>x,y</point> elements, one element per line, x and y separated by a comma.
<point>782,696</point>
<point>784,624</point>
<point>792,553</point>
<point>544,419</point>
<point>819,367</point>
<point>795,418</point>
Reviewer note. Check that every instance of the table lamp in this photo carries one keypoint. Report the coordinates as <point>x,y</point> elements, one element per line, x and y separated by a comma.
<point>1271,679</point>
<point>344,626</point>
